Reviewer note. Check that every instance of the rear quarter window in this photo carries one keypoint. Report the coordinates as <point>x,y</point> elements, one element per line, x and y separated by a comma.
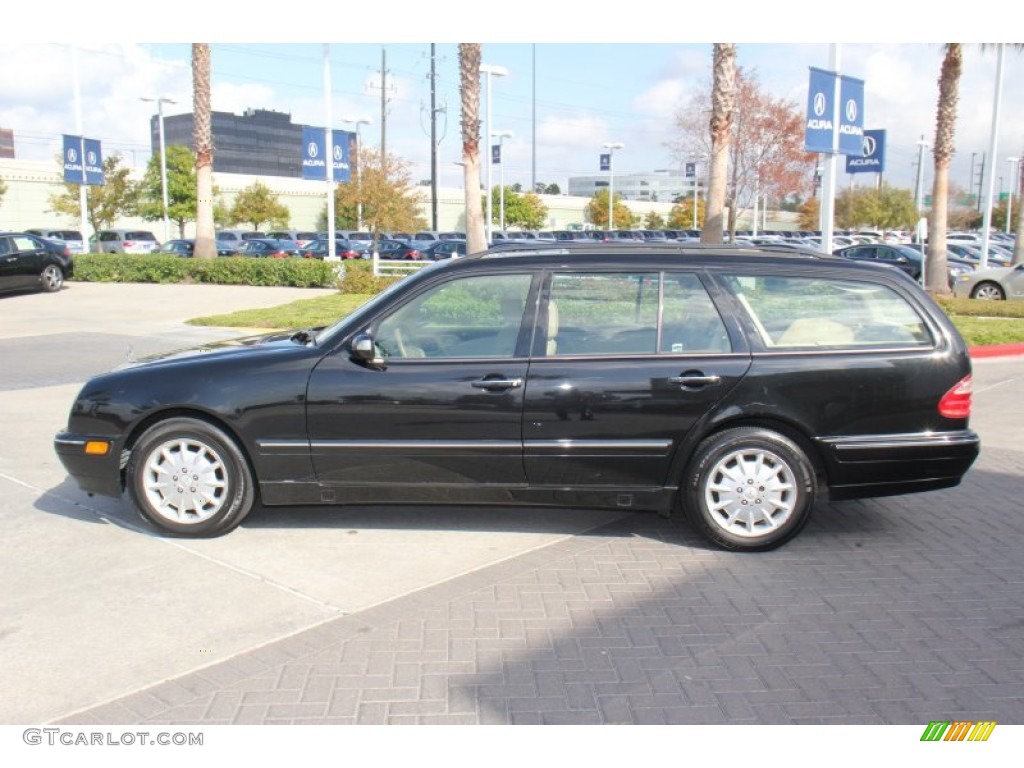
<point>812,312</point>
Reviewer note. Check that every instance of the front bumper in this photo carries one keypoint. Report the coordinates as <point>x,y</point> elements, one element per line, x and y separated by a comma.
<point>99,474</point>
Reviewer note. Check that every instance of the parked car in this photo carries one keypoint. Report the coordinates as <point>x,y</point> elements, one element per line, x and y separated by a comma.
<point>127,241</point>
<point>233,238</point>
<point>186,248</point>
<point>298,236</point>
<point>733,384</point>
<point>267,248</point>
<point>343,249</point>
<point>70,237</point>
<point>30,262</point>
<point>446,249</point>
<point>397,249</point>
<point>998,284</point>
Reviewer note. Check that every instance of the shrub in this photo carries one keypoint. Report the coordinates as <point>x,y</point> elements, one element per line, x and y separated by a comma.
<point>359,279</point>
<point>233,270</point>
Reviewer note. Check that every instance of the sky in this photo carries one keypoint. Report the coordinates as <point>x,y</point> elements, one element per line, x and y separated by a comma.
<point>576,79</point>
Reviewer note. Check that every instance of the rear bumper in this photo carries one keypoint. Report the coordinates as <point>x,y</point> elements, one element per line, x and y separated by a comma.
<point>886,465</point>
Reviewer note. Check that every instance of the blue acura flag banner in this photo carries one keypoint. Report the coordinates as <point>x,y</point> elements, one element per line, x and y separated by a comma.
<point>496,154</point>
<point>606,162</point>
<point>314,154</point>
<point>94,163</point>
<point>851,116</point>
<point>821,96</point>
<point>83,161</point>
<point>873,158</point>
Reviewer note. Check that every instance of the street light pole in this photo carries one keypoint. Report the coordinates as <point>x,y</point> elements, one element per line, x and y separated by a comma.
<point>491,70</point>
<point>359,170</point>
<point>611,146</point>
<point>501,136</point>
<point>1009,203</point>
<point>160,101</point>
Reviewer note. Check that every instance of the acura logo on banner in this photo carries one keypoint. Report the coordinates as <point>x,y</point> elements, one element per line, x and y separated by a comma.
<point>821,127</point>
<point>873,158</point>
<point>89,172</point>
<point>314,166</point>
<point>496,154</point>
<point>851,120</point>
<point>606,162</point>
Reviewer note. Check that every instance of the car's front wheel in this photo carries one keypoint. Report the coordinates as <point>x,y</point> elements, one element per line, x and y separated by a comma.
<point>51,278</point>
<point>749,489</point>
<point>189,478</point>
<point>988,292</point>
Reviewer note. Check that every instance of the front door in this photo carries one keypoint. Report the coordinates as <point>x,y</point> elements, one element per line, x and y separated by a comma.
<point>442,412</point>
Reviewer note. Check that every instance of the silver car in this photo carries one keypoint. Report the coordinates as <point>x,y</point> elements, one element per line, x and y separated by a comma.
<point>994,284</point>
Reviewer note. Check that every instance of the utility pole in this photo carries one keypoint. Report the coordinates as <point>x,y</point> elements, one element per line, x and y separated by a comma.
<point>433,139</point>
<point>383,106</point>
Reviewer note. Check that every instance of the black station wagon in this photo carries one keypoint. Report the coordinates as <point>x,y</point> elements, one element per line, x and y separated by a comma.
<point>733,384</point>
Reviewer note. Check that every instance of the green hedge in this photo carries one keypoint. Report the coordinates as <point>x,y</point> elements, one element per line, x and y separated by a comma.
<point>224,270</point>
<point>359,279</point>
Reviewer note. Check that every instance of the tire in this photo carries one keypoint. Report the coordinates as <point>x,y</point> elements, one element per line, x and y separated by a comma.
<point>988,292</point>
<point>222,491</point>
<point>749,489</point>
<point>51,278</point>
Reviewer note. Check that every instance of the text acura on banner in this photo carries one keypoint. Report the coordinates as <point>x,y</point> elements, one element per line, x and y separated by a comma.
<point>314,160</point>
<point>83,161</point>
<point>821,95</point>
<point>851,116</point>
<point>873,158</point>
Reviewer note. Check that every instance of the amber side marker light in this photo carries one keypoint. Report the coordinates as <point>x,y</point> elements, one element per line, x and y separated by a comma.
<point>97,447</point>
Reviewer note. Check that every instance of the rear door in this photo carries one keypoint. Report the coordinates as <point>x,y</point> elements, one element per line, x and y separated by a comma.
<point>628,363</point>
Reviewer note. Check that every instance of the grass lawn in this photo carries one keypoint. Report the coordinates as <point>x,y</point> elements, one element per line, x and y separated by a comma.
<point>972,317</point>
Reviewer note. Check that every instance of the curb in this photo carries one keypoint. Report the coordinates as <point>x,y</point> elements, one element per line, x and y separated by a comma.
<point>997,350</point>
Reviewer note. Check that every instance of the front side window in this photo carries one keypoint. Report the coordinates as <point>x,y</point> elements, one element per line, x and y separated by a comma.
<point>809,312</point>
<point>470,317</point>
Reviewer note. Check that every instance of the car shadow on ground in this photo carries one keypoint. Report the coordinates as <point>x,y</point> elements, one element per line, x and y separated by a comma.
<point>852,522</point>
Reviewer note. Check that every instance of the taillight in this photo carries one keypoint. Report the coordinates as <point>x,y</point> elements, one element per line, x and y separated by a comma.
<point>349,255</point>
<point>414,255</point>
<point>279,255</point>
<point>956,403</point>
<point>129,243</point>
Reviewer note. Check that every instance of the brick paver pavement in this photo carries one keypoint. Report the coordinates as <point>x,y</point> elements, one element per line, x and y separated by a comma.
<point>899,611</point>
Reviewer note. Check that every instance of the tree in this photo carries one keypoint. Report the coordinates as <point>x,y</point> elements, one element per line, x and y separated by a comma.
<point>181,188</point>
<point>202,138</point>
<point>766,155</point>
<point>469,93</point>
<point>106,203</point>
<point>936,278</point>
<point>722,100</point>
<point>257,205</point>
<point>885,208</point>
<point>596,212</point>
<point>810,215</point>
<point>654,220</point>
<point>385,190</point>
<point>3,190</point>
<point>521,210</point>
<point>681,215</point>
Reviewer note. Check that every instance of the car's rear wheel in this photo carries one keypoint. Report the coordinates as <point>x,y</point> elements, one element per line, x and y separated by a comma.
<point>749,489</point>
<point>988,292</point>
<point>189,478</point>
<point>51,278</point>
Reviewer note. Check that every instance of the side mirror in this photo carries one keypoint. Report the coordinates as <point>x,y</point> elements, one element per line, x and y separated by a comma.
<point>364,350</point>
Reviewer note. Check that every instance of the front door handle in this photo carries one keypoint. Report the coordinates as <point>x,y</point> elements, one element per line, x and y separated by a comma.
<point>497,384</point>
<point>695,380</point>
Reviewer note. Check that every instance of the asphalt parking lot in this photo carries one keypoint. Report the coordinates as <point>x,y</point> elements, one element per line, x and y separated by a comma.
<point>900,610</point>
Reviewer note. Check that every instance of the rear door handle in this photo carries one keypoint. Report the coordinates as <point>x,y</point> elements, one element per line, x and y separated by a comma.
<point>695,380</point>
<point>497,384</point>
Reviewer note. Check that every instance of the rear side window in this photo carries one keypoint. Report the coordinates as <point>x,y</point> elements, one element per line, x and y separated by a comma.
<point>633,313</point>
<point>139,236</point>
<point>809,312</point>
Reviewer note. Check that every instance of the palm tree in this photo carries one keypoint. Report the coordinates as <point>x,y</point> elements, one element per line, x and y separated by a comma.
<point>936,279</point>
<point>202,137</point>
<point>469,91</point>
<point>722,98</point>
